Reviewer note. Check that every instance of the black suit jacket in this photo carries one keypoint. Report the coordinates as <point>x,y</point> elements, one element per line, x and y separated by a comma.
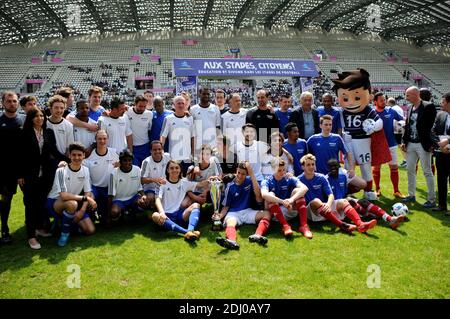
<point>425,120</point>
<point>296,117</point>
<point>439,127</point>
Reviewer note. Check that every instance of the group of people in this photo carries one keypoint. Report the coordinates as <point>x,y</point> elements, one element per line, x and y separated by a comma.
<point>275,164</point>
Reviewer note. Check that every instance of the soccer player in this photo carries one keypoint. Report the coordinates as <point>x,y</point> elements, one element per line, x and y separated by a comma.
<point>152,172</point>
<point>388,115</point>
<point>125,190</point>
<point>117,126</point>
<point>284,197</point>
<point>178,129</point>
<point>141,124</point>
<point>329,109</point>
<point>81,134</point>
<point>95,110</point>
<point>64,199</point>
<point>236,208</point>
<point>322,204</point>
<point>283,112</point>
<point>220,101</point>
<point>159,114</point>
<point>101,163</point>
<point>275,150</point>
<point>150,98</point>
<point>227,158</point>
<point>338,182</point>
<point>170,215</point>
<point>296,146</point>
<point>62,128</point>
<point>233,120</point>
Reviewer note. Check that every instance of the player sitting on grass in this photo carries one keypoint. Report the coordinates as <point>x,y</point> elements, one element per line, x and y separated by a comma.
<point>284,197</point>
<point>170,215</point>
<point>322,204</point>
<point>237,211</point>
<point>338,181</point>
<point>64,198</point>
<point>125,191</point>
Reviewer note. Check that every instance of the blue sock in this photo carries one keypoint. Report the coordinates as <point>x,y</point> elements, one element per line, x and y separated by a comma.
<point>193,218</point>
<point>170,225</point>
<point>67,222</point>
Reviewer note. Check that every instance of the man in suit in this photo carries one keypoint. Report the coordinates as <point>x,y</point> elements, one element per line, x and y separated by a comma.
<point>306,118</point>
<point>417,142</point>
<point>440,135</point>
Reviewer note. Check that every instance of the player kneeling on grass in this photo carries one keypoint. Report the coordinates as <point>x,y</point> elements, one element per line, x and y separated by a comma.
<point>322,204</point>
<point>125,192</point>
<point>170,215</point>
<point>284,197</point>
<point>64,199</point>
<point>237,211</point>
<point>339,182</point>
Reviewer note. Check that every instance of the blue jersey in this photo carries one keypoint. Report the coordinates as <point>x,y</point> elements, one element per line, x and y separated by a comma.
<point>297,151</point>
<point>334,112</point>
<point>318,187</point>
<point>324,149</point>
<point>237,197</point>
<point>338,185</point>
<point>282,188</point>
<point>388,115</point>
<point>284,119</point>
<point>353,122</point>
<point>96,114</point>
<point>157,123</point>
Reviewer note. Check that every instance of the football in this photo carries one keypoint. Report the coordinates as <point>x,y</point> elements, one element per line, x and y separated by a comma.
<point>399,209</point>
<point>368,126</point>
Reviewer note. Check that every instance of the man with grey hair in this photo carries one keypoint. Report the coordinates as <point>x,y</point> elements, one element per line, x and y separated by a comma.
<point>417,143</point>
<point>306,118</point>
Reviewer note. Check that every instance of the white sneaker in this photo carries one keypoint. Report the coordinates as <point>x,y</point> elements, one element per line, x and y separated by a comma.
<point>370,196</point>
<point>34,244</point>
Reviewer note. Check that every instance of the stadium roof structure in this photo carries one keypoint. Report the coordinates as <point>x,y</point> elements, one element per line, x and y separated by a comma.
<point>22,21</point>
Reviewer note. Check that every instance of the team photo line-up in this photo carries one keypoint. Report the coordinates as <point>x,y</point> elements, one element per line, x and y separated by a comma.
<point>79,164</point>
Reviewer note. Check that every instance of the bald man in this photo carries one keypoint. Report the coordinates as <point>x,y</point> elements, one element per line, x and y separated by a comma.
<point>417,143</point>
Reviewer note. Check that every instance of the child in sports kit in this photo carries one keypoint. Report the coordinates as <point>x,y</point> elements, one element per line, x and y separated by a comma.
<point>125,192</point>
<point>321,201</point>
<point>296,146</point>
<point>81,134</point>
<point>284,197</point>
<point>236,208</point>
<point>359,120</point>
<point>170,215</point>
<point>338,182</point>
<point>64,200</point>
<point>276,150</point>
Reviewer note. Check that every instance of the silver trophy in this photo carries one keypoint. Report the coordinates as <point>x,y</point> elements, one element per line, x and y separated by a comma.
<point>215,199</point>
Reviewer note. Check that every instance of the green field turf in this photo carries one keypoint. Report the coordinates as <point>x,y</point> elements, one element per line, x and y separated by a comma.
<point>137,260</point>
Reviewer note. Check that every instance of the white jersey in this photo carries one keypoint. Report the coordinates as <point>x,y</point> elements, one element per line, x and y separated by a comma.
<point>63,134</point>
<point>117,129</point>
<point>266,164</point>
<point>232,125</point>
<point>206,121</point>
<point>101,166</point>
<point>172,194</point>
<point>140,125</point>
<point>152,169</point>
<point>253,153</point>
<point>123,186</point>
<point>83,135</point>
<point>69,181</point>
<point>179,131</point>
<point>213,169</point>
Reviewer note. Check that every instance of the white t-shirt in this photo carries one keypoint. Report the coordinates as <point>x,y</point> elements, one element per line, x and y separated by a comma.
<point>83,135</point>
<point>253,153</point>
<point>213,169</point>
<point>69,181</point>
<point>266,165</point>
<point>179,131</point>
<point>140,125</point>
<point>172,194</point>
<point>232,125</point>
<point>63,134</point>
<point>152,169</point>
<point>206,121</point>
<point>101,166</point>
<point>123,186</point>
<point>118,130</point>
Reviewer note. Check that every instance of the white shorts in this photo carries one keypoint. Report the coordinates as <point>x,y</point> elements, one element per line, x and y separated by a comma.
<point>361,151</point>
<point>246,216</point>
<point>288,214</point>
<point>393,151</point>
<point>319,218</point>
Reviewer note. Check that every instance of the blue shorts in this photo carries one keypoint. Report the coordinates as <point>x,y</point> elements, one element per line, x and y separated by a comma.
<point>124,204</point>
<point>49,206</point>
<point>140,153</point>
<point>99,192</point>
<point>177,217</point>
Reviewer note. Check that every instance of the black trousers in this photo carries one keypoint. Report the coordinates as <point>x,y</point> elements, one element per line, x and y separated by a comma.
<point>35,193</point>
<point>8,186</point>
<point>443,177</point>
